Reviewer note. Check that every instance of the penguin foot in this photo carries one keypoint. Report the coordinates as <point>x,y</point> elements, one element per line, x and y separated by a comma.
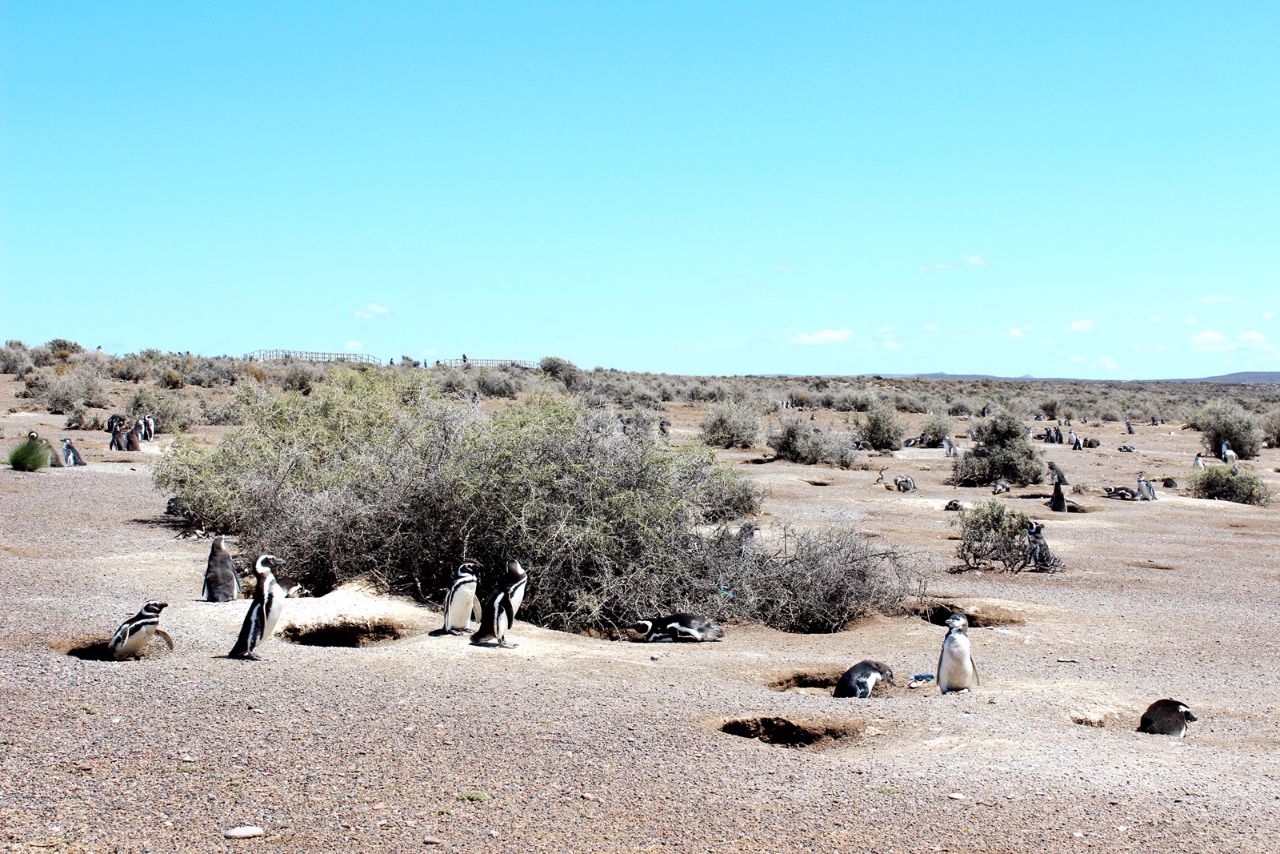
<point>505,645</point>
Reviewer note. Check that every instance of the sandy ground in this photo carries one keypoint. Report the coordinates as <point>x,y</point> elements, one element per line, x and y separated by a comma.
<point>574,744</point>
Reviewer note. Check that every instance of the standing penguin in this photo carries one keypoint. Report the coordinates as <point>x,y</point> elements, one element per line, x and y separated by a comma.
<point>500,607</point>
<point>1146,492</point>
<point>1058,503</point>
<point>221,583</point>
<point>948,446</point>
<point>1198,463</point>
<point>133,441</point>
<point>956,670</point>
<point>460,603</point>
<point>1057,475</point>
<point>71,454</point>
<point>860,680</point>
<point>264,612</point>
<point>139,630</point>
<point>148,427</point>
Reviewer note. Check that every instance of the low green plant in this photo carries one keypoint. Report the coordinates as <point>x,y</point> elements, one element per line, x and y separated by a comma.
<point>879,426</point>
<point>31,455</point>
<point>1221,420</point>
<point>1218,482</point>
<point>731,425</point>
<point>992,535</point>
<point>1002,450</point>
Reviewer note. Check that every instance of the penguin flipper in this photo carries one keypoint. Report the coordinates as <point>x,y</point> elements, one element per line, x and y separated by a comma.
<point>477,610</point>
<point>165,636</point>
<point>250,634</point>
<point>973,664</point>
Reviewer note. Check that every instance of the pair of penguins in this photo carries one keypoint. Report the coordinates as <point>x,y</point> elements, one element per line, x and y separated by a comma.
<point>958,673</point>
<point>221,584</point>
<point>495,615</point>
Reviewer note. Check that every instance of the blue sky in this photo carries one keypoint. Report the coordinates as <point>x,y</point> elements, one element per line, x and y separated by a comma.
<point>1085,189</point>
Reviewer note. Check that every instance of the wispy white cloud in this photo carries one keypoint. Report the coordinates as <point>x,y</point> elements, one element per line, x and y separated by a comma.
<point>1078,359</point>
<point>972,259</point>
<point>1191,320</point>
<point>353,347</point>
<point>822,336</point>
<point>1211,341</point>
<point>1214,298</point>
<point>1080,326</point>
<point>1018,332</point>
<point>929,327</point>
<point>1155,318</point>
<point>975,261</point>
<point>1107,362</point>
<point>371,311</point>
<point>1267,315</point>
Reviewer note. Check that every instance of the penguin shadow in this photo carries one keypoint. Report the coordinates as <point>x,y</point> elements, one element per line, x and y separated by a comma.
<point>797,733</point>
<point>97,649</point>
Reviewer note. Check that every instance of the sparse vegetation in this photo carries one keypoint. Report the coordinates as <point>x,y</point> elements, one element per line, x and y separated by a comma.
<point>880,428</point>
<point>29,456</point>
<point>935,427</point>
<point>799,442</point>
<point>1271,428</point>
<point>992,535</point>
<point>1002,451</point>
<point>1223,419</point>
<point>731,425</point>
<point>1217,482</point>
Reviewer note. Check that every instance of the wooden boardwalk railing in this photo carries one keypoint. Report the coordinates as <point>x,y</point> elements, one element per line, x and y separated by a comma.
<point>484,363</point>
<point>310,356</point>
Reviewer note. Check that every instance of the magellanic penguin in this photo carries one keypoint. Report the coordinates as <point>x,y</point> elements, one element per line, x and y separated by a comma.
<point>956,670</point>
<point>264,612</point>
<point>500,607</point>
<point>221,583</point>
<point>71,454</point>
<point>677,627</point>
<point>461,604</point>
<point>1166,717</point>
<point>139,630</point>
<point>860,680</point>
<point>148,427</point>
<point>133,441</point>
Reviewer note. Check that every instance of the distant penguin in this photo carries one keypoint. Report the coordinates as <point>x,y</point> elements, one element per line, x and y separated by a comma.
<point>1223,447</point>
<point>148,427</point>
<point>264,612</point>
<point>1057,475</point>
<point>1000,486</point>
<point>1093,443</point>
<point>1166,717</point>
<point>1230,457</point>
<point>904,483</point>
<point>1146,492</point>
<point>1128,427</point>
<point>1123,493</point>
<point>1169,483</point>
<point>119,439</point>
<point>1057,435</point>
<point>948,446</point>
<point>1126,449</point>
<point>1198,463</point>
<point>71,454</point>
<point>133,440</point>
<point>860,680</point>
<point>956,670</point>
<point>500,608</point>
<point>115,422</point>
<point>135,633</point>
<point>1058,503</point>
<point>677,627</point>
<point>221,583</point>
<point>460,603</point>
<point>953,505</point>
<point>1073,438</point>
<point>1076,443</point>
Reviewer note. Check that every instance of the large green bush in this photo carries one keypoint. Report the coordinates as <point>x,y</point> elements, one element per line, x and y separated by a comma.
<point>1002,450</point>
<point>932,431</point>
<point>992,535</point>
<point>1271,428</point>
<point>1219,483</point>
<point>800,442</point>
<point>378,475</point>
<point>879,426</point>
<point>1223,419</point>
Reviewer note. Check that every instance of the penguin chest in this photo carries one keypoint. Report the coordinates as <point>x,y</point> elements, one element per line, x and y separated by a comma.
<point>957,665</point>
<point>131,643</point>
<point>271,610</point>
<point>461,603</point>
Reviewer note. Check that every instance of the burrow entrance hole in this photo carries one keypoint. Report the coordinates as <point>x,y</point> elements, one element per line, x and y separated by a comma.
<point>812,482</point>
<point>808,682</point>
<point>785,732</point>
<point>94,650</point>
<point>345,632</point>
<point>979,618</point>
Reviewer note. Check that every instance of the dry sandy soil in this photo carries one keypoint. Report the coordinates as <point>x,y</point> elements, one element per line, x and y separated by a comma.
<point>574,744</point>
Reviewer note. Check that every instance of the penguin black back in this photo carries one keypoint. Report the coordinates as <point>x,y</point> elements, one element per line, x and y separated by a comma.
<point>860,680</point>
<point>221,584</point>
<point>1166,717</point>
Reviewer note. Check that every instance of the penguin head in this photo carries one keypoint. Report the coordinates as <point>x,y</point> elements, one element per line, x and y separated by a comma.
<point>66,443</point>
<point>1186,713</point>
<point>640,629</point>
<point>33,435</point>
<point>514,570</point>
<point>958,622</point>
<point>154,607</point>
<point>267,563</point>
<point>467,567</point>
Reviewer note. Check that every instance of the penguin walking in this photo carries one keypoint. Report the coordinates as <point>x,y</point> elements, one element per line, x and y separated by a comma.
<point>460,603</point>
<point>71,454</point>
<point>500,608</point>
<point>1146,492</point>
<point>956,670</point>
<point>1198,463</point>
<point>677,627</point>
<point>264,612</point>
<point>138,631</point>
<point>860,680</point>
<point>221,583</point>
<point>1166,717</point>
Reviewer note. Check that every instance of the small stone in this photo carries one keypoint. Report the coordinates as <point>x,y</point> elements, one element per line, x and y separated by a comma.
<point>653,658</point>
<point>187,758</point>
<point>378,806</point>
<point>587,796</point>
<point>494,834</point>
<point>433,840</point>
<point>1077,834</point>
<point>245,831</point>
<point>957,796</point>
<point>84,766</point>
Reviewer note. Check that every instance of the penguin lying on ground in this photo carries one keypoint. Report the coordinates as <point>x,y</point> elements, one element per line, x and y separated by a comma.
<point>138,631</point>
<point>500,607</point>
<point>1000,486</point>
<point>677,627</point>
<point>1166,717</point>
<point>860,680</point>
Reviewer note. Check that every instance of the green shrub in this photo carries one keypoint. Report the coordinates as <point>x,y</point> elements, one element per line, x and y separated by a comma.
<point>377,475</point>
<point>169,378</point>
<point>62,350</point>
<point>15,359</point>
<point>798,442</point>
<point>935,427</point>
<point>29,456</point>
<point>1271,428</point>
<point>172,411</point>
<point>1219,483</point>
<point>563,370</point>
<point>731,425</point>
<point>80,418</point>
<point>991,535</point>
<point>496,384</point>
<point>1002,450</point>
<point>880,428</point>
<point>1223,419</point>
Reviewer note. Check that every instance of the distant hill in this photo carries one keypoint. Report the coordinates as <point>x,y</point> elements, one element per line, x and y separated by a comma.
<point>1241,377</point>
